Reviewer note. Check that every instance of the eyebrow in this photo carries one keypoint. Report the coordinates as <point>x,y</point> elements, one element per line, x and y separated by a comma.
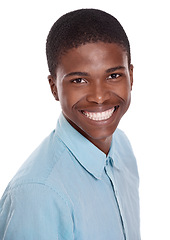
<point>77,74</point>
<point>87,74</point>
<point>114,69</point>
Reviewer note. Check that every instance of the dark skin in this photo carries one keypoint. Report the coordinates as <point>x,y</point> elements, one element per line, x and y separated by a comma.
<point>93,84</point>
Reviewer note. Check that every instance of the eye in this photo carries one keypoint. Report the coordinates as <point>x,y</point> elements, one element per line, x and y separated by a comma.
<point>114,76</point>
<point>79,80</point>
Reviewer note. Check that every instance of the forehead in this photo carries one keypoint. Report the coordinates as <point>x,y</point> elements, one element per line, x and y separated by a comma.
<point>93,56</point>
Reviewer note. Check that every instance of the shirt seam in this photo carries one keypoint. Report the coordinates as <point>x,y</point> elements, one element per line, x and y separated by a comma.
<point>10,191</point>
<point>56,160</point>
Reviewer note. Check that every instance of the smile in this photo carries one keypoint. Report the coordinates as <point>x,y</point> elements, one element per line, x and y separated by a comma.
<point>100,116</point>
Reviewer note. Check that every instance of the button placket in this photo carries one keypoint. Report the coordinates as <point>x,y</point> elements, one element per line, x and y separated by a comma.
<point>109,173</point>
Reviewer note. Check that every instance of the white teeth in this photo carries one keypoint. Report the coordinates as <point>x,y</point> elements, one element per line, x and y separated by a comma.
<point>99,116</point>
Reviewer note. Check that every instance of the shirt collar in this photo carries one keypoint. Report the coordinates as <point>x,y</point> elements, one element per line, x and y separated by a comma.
<point>113,153</point>
<point>88,155</point>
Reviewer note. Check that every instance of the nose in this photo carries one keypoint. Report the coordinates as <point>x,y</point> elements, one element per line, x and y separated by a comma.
<point>98,93</point>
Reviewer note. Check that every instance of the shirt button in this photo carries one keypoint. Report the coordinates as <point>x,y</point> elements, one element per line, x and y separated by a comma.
<point>111,161</point>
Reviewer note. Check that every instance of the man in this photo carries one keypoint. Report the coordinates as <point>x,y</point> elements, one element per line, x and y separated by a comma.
<point>82,181</point>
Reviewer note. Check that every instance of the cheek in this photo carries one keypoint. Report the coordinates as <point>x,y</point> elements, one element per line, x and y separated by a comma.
<point>126,92</point>
<point>67,97</point>
<point>126,96</point>
<point>123,91</point>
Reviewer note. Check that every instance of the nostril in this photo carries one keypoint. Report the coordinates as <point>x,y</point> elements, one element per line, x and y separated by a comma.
<point>98,97</point>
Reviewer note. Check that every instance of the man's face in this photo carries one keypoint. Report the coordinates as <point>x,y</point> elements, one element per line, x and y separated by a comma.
<point>93,84</point>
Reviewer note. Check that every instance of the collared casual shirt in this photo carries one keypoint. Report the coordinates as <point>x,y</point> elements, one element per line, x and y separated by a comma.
<point>69,189</point>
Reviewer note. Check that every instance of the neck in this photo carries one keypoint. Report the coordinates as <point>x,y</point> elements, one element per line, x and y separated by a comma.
<point>102,144</point>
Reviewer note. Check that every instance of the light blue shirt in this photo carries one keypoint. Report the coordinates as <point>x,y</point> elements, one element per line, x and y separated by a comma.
<point>68,189</point>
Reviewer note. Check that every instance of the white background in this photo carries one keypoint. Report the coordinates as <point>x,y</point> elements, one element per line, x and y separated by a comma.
<point>29,112</point>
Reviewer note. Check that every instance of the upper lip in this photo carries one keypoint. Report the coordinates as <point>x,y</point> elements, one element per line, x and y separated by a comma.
<point>99,109</point>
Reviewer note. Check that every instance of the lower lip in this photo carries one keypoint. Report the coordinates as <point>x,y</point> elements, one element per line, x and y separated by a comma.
<point>104,121</point>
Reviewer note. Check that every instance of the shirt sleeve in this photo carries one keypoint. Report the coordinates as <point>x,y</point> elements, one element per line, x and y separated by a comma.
<point>35,211</point>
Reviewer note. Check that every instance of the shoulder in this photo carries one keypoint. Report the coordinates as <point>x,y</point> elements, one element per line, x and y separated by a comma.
<point>37,168</point>
<point>36,195</point>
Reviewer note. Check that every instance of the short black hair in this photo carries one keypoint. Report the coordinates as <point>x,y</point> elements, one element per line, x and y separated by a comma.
<point>80,27</point>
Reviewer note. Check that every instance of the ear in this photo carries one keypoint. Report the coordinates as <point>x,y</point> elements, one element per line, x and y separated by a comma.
<point>131,75</point>
<point>53,86</point>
